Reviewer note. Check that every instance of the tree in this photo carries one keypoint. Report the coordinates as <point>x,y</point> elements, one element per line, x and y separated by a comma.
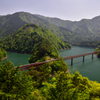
<point>39,75</point>
<point>67,87</point>
<point>98,49</point>
<point>42,51</point>
<point>3,53</point>
<point>13,84</point>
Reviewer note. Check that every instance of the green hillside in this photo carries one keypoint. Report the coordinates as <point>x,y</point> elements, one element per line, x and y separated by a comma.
<point>64,33</point>
<point>93,44</point>
<point>86,29</point>
<point>70,31</point>
<point>3,53</point>
<point>10,23</point>
<point>30,36</point>
<point>45,50</point>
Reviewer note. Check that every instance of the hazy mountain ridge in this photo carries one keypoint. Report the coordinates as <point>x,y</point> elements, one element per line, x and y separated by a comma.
<point>70,31</point>
<point>62,32</point>
<point>72,25</point>
<point>15,21</point>
<point>89,29</point>
<point>9,24</point>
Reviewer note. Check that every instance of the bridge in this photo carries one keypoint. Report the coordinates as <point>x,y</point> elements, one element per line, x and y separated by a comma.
<point>38,64</point>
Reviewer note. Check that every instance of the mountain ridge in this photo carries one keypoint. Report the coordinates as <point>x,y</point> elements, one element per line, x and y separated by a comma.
<point>88,29</point>
<point>22,18</point>
<point>69,31</point>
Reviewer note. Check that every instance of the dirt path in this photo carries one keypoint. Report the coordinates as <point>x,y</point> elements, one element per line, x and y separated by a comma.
<point>67,71</point>
<point>4,58</point>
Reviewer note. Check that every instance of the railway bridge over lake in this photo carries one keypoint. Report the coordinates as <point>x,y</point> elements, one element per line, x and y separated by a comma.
<point>38,64</point>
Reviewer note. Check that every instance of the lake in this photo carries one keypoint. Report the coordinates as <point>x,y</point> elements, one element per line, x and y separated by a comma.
<point>89,68</point>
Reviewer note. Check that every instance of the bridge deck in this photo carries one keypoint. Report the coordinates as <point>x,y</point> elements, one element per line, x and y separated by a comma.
<point>76,56</point>
<point>28,66</point>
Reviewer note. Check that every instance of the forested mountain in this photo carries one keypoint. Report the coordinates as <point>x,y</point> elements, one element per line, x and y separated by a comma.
<point>30,36</point>
<point>93,23</point>
<point>70,31</point>
<point>10,23</point>
<point>93,44</point>
<point>87,29</point>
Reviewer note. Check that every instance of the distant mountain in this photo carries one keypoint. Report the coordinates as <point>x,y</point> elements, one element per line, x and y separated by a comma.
<point>93,44</point>
<point>70,31</point>
<point>88,29</point>
<point>10,23</point>
<point>29,37</point>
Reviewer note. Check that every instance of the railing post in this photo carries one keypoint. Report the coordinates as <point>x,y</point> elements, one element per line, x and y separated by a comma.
<point>71,61</point>
<point>83,58</point>
<point>92,56</point>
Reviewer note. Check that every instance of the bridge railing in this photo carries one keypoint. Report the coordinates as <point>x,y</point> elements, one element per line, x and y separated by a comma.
<point>76,56</point>
<point>28,66</point>
<point>37,64</point>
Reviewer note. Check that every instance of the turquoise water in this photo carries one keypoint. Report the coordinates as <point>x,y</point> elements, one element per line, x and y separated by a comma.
<point>18,58</point>
<point>90,68</point>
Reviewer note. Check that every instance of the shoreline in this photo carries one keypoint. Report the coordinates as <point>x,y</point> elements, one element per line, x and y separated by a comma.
<point>4,58</point>
<point>65,49</point>
<point>31,53</point>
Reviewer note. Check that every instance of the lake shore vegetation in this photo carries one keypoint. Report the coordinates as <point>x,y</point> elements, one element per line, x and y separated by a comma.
<point>29,37</point>
<point>3,53</point>
<point>36,84</point>
<point>98,49</point>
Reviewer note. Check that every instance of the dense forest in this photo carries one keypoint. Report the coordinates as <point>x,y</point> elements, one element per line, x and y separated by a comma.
<point>98,49</point>
<point>11,23</point>
<point>45,51</point>
<point>72,32</point>
<point>84,30</point>
<point>21,32</point>
<point>3,53</point>
<point>51,81</point>
<point>93,44</point>
<point>29,37</point>
<point>48,82</point>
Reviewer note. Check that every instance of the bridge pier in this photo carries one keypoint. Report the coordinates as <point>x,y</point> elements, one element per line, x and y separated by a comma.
<point>83,58</point>
<point>71,61</point>
<point>92,56</point>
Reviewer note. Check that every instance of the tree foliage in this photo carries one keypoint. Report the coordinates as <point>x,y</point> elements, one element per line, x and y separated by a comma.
<point>71,87</point>
<point>13,84</point>
<point>29,37</point>
<point>98,49</point>
<point>16,85</point>
<point>3,53</point>
<point>45,51</point>
<point>43,73</point>
<point>93,44</point>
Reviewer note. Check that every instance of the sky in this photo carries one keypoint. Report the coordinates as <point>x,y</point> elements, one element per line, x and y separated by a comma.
<point>73,10</point>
